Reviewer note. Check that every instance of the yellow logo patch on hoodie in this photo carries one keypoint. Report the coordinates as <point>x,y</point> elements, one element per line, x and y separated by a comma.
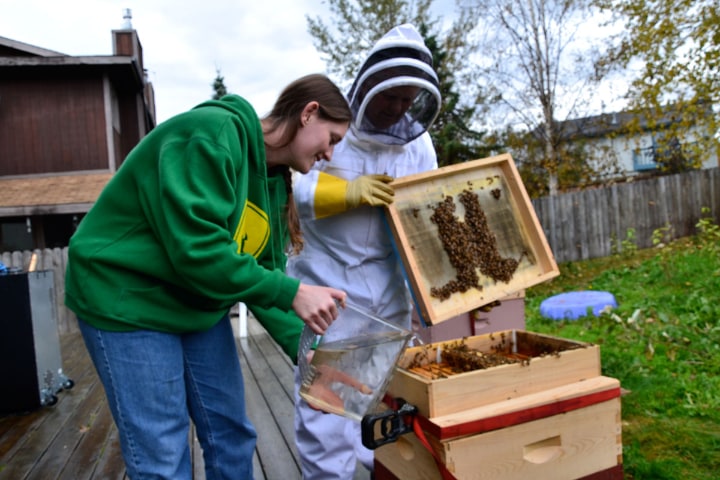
<point>253,230</point>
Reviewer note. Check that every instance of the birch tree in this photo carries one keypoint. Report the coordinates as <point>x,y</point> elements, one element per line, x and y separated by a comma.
<point>537,65</point>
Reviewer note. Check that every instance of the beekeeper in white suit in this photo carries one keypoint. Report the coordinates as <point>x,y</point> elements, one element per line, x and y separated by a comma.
<point>394,100</point>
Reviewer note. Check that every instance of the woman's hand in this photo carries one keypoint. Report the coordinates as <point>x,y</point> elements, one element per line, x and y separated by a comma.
<point>318,306</point>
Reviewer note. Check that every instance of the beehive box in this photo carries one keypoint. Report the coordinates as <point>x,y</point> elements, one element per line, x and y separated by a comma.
<point>551,362</point>
<point>565,433</point>
<point>467,235</point>
<point>549,414</point>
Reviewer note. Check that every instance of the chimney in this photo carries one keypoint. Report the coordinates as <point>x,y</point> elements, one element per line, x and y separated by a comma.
<point>126,41</point>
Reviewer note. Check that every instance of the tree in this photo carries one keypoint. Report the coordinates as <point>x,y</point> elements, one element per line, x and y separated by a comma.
<point>352,27</point>
<point>533,61</point>
<point>672,158</point>
<point>577,167</point>
<point>454,139</point>
<point>219,86</point>
<point>674,46</point>
<point>356,27</point>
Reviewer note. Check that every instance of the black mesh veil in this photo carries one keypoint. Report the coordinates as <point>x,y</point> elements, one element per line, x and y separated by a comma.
<point>396,61</point>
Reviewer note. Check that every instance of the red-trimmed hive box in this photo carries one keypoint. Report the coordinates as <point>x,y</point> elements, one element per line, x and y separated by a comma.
<point>536,407</point>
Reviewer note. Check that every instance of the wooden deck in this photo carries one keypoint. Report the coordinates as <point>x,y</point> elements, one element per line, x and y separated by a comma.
<point>75,439</point>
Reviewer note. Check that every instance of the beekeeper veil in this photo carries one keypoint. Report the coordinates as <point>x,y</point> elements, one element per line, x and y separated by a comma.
<point>395,96</point>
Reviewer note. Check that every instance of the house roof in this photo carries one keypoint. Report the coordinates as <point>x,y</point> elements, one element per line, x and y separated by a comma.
<point>602,125</point>
<point>123,70</point>
<point>57,194</point>
<point>9,47</point>
<point>15,57</point>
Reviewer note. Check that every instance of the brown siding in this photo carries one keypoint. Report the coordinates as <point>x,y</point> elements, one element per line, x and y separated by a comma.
<point>129,127</point>
<point>52,126</point>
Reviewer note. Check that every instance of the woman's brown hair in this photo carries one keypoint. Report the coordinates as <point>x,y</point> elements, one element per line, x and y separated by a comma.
<point>285,115</point>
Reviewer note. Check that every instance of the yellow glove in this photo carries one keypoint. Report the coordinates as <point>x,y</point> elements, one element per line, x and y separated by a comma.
<point>335,195</point>
<point>370,190</point>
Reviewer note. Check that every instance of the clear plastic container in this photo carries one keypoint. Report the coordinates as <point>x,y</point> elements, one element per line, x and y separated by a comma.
<point>351,364</point>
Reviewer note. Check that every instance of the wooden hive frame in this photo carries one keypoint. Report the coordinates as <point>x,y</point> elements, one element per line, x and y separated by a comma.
<point>509,216</point>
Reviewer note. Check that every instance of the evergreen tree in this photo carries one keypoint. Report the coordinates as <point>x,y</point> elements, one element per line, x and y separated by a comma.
<point>219,86</point>
<point>352,27</point>
<point>454,139</point>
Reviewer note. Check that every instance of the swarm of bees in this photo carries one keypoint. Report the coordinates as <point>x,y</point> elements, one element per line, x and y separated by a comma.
<point>462,358</point>
<point>458,357</point>
<point>469,244</point>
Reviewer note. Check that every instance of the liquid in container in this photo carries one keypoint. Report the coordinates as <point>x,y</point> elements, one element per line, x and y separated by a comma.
<point>351,364</point>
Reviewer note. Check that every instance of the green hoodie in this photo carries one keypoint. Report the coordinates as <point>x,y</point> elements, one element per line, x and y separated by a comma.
<point>189,225</point>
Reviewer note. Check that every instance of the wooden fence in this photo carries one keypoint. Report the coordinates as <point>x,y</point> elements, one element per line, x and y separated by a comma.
<point>579,226</point>
<point>584,224</point>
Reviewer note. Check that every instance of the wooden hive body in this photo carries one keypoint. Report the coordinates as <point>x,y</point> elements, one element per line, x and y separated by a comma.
<point>554,417</point>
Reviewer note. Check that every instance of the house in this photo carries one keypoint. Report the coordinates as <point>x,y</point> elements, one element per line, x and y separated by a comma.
<point>632,144</point>
<point>66,124</point>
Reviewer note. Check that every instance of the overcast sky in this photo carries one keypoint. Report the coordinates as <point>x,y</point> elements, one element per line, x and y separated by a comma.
<point>259,46</point>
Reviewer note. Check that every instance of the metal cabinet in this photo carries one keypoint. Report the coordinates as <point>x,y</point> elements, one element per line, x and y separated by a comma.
<point>31,371</point>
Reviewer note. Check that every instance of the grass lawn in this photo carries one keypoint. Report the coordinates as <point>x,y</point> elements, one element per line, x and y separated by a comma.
<point>662,342</point>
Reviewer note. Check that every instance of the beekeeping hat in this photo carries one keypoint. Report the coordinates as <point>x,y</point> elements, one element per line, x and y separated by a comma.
<point>399,59</point>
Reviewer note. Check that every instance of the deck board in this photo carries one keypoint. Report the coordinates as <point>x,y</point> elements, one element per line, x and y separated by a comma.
<point>268,382</point>
<point>274,461</point>
<point>76,439</point>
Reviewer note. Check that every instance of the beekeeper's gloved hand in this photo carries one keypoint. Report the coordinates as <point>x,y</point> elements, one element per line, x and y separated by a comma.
<point>370,190</point>
<point>335,195</point>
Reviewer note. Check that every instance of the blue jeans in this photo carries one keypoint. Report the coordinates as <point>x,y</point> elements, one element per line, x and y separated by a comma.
<point>156,382</point>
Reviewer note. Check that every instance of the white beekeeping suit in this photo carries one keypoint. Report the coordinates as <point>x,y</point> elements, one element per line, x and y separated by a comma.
<point>347,239</point>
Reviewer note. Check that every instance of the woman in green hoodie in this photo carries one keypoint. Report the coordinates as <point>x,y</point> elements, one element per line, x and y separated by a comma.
<point>197,219</point>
